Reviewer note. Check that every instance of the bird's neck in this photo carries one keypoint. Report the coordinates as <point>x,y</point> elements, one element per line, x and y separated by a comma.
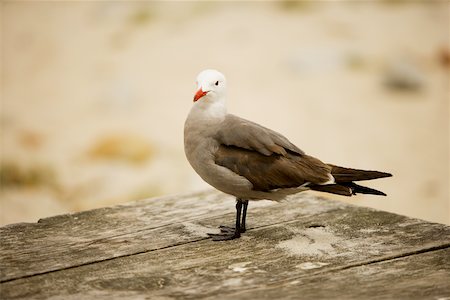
<point>209,111</point>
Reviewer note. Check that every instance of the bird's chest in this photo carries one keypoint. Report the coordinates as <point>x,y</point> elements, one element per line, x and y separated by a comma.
<point>200,152</point>
<point>200,145</point>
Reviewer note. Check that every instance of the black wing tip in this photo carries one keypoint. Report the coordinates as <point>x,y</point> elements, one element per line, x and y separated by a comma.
<point>378,174</point>
<point>384,174</point>
<point>359,189</point>
<point>346,189</point>
<point>374,192</point>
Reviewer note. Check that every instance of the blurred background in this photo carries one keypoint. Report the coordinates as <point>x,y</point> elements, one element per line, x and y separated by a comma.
<point>94,95</point>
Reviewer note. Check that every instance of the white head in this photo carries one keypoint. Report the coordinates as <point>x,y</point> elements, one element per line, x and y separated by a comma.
<point>211,85</point>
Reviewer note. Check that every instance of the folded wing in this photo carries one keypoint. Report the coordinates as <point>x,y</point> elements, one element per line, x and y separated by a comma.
<point>238,132</point>
<point>275,171</point>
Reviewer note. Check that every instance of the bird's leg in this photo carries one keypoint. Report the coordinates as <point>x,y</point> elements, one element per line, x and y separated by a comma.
<point>244,215</point>
<point>229,233</point>
<point>240,222</point>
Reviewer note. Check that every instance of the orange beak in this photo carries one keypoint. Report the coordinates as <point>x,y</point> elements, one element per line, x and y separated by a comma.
<point>200,93</point>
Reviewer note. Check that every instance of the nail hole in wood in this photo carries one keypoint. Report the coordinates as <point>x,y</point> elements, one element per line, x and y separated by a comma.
<point>315,226</point>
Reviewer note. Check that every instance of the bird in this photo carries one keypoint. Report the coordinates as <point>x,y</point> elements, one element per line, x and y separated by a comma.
<point>251,162</point>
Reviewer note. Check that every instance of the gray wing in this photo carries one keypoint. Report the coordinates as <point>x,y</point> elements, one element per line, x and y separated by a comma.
<point>266,158</point>
<point>275,171</point>
<point>245,134</point>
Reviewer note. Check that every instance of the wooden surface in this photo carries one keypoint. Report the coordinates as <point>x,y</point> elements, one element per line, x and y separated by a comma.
<point>304,248</point>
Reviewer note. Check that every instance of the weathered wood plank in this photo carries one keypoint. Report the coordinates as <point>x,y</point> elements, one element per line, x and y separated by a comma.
<point>72,240</point>
<point>424,276</point>
<point>76,239</point>
<point>313,251</point>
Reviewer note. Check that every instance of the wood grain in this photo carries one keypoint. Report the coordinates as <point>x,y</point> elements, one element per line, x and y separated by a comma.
<point>306,247</point>
<point>76,239</point>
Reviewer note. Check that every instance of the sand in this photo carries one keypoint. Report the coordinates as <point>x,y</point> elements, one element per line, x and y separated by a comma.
<point>94,96</point>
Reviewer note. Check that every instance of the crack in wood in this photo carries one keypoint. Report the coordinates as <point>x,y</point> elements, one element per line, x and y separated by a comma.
<point>378,260</point>
<point>102,260</point>
<point>396,256</point>
<point>150,250</point>
<point>354,265</point>
<point>331,273</point>
<point>163,250</point>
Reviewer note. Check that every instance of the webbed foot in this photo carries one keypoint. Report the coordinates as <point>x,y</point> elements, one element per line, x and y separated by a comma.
<point>226,234</point>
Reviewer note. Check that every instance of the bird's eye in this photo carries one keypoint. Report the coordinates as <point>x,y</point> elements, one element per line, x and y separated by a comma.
<point>217,83</point>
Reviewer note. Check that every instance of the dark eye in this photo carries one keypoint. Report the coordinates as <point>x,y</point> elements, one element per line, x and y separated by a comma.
<point>217,83</point>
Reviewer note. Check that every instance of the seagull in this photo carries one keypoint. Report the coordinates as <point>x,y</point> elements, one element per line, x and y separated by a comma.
<point>251,162</point>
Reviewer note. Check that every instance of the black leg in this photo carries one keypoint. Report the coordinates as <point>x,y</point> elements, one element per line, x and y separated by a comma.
<point>229,233</point>
<point>237,228</point>
<point>244,215</point>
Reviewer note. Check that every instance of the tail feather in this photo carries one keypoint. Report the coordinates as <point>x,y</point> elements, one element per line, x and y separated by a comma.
<point>346,189</point>
<point>344,184</point>
<point>333,189</point>
<point>346,175</point>
<point>356,188</point>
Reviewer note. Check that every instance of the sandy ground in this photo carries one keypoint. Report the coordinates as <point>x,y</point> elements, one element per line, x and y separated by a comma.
<point>94,95</point>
